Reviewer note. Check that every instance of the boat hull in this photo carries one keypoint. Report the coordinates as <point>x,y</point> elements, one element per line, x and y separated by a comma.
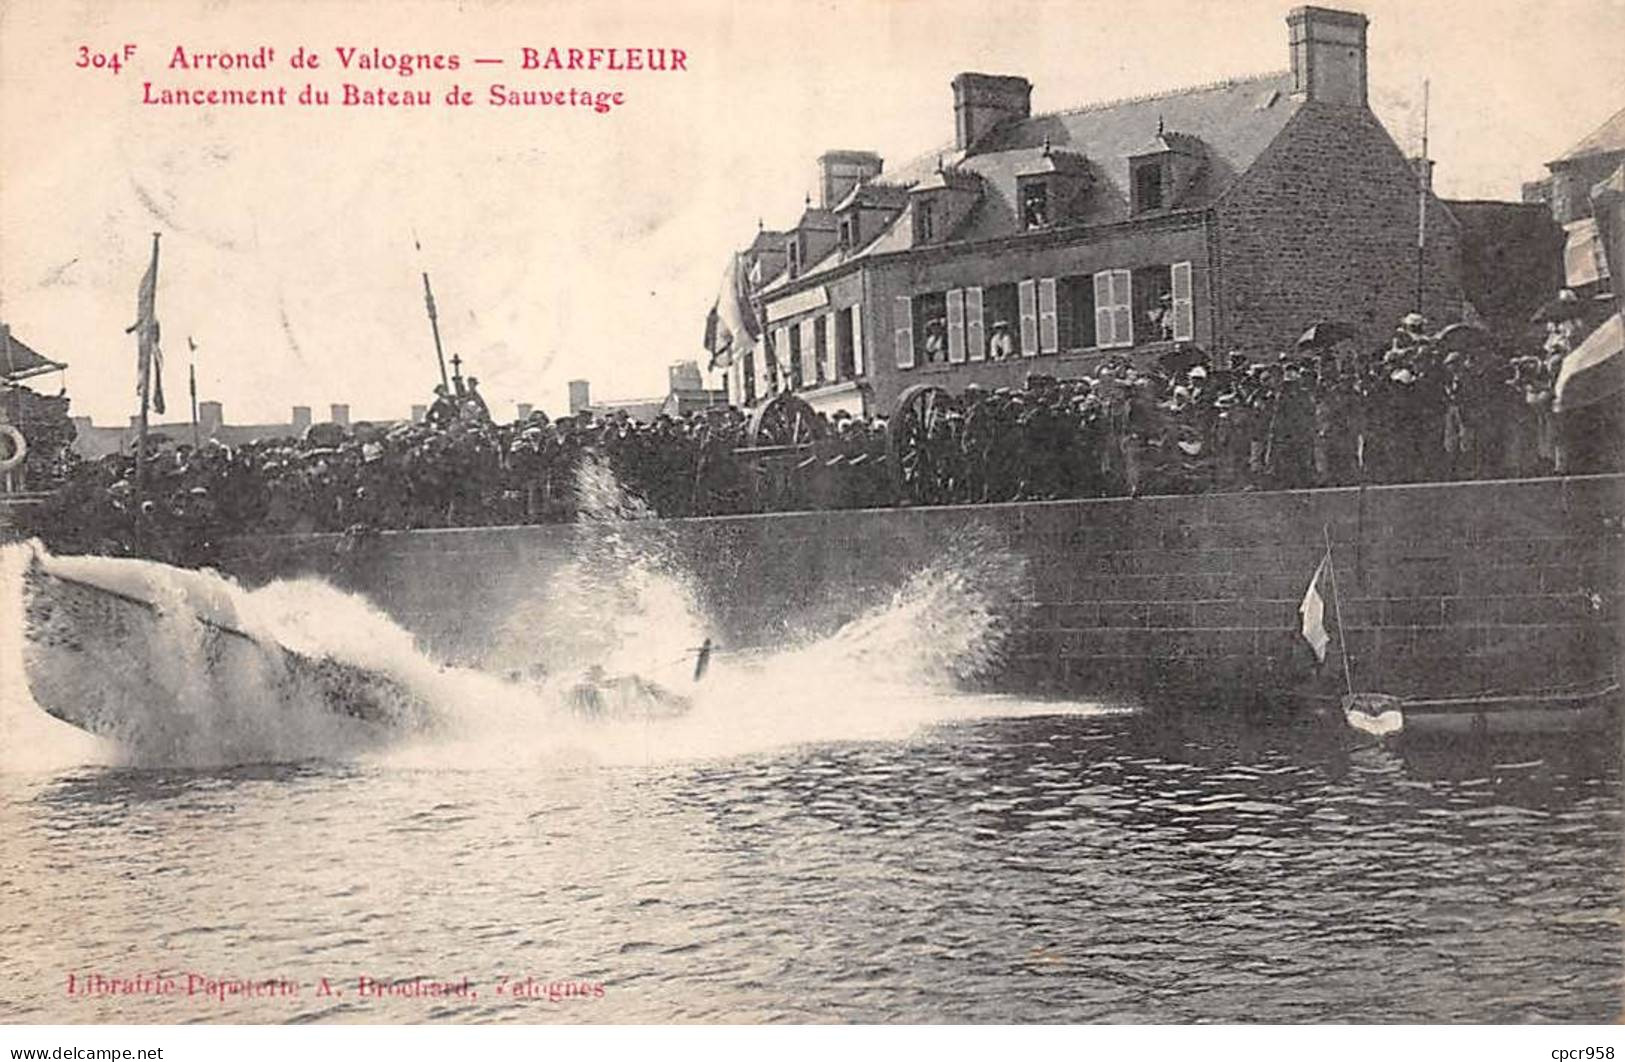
<point>117,665</point>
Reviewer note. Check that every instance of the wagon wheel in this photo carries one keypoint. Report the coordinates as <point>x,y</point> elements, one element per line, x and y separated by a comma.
<point>785,420</point>
<point>914,438</point>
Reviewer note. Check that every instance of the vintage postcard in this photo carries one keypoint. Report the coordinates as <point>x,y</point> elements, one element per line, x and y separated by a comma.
<point>869,511</point>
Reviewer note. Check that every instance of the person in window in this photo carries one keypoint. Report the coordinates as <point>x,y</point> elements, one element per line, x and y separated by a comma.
<point>936,341</point>
<point>1000,345</point>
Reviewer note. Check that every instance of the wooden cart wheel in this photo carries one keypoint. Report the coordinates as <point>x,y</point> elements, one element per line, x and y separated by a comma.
<point>919,418</point>
<point>785,420</point>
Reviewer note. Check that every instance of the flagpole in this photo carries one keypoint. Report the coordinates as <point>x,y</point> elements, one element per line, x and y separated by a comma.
<point>1422,186</point>
<point>141,420</point>
<point>1337,610</point>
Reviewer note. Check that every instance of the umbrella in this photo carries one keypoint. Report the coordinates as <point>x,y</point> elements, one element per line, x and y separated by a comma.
<point>1463,336</point>
<point>1325,333</point>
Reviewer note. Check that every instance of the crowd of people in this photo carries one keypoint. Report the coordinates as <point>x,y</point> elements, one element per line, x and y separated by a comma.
<point>1423,408</point>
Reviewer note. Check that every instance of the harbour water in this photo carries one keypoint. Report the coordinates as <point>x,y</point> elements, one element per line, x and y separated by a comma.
<point>1027,866</point>
<point>835,833</point>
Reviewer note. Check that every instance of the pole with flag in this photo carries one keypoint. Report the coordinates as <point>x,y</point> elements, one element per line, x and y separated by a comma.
<point>148,371</point>
<point>1313,612</point>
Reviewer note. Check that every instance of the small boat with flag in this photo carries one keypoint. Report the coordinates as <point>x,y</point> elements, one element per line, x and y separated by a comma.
<point>1576,705</point>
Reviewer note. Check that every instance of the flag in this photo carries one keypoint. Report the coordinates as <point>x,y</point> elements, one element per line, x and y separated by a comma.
<point>1313,611</point>
<point>1594,370</point>
<point>149,360</point>
<point>731,327</point>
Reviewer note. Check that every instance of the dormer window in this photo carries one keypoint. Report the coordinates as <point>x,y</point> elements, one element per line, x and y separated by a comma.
<point>792,251</point>
<point>925,221</point>
<point>849,233</point>
<point>1148,186</point>
<point>1035,205</point>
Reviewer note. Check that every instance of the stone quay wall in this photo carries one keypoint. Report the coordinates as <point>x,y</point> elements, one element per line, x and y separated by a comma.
<point>1453,588</point>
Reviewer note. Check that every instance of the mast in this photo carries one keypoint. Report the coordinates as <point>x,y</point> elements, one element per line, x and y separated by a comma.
<point>191,375</point>
<point>1337,610</point>
<point>1422,187</point>
<point>434,320</point>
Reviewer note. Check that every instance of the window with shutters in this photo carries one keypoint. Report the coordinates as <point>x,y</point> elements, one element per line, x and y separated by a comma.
<point>956,326</point>
<point>1003,313</point>
<point>975,326</point>
<point>903,331</point>
<point>778,372</point>
<point>849,232</point>
<point>1027,294</point>
<point>1154,304</point>
<point>931,327</point>
<point>1184,323</point>
<point>1076,312</point>
<point>1114,309</point>
<point>792,254</point>
<point>1048,318</point>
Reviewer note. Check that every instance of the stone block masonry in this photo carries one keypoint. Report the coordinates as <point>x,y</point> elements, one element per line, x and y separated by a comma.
<point>1453,588</point>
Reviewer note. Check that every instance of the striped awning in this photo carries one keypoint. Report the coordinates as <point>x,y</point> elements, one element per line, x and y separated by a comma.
<point>1583,260</point>
<point>1594,370</point>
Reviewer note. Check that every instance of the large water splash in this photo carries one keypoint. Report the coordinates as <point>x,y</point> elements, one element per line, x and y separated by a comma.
<point>624,604</point>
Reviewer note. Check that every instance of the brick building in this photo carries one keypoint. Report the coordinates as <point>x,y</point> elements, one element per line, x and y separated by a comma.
<point>1229,216</point>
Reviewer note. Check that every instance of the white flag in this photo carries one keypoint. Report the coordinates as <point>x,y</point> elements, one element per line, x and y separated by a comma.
<point>1313,611</point>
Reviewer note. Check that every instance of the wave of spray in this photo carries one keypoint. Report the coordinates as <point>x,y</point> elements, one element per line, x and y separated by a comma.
<point>624,605</point>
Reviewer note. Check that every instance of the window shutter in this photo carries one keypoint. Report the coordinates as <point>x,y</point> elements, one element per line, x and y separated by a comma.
<point>831,365</point>
<point>1048,337</point>
<point>975,325</point>
<point>1027,294</point>
<point>1105,330</point>
<point>903,330</point>
<point>857,339</point>
<point>1184,319</point>
<point>781,350</point>
<point>809,355</point>
<point>1122,308</point>
<point>975,330</point>
<point>956,326</point>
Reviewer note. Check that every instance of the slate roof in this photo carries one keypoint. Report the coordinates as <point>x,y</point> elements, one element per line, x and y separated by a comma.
<point>1227,125</point>
<point>18,361</point>
<point>1604,140</point>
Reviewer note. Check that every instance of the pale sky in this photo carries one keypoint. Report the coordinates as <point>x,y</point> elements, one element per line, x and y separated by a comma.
<point>565,243</point>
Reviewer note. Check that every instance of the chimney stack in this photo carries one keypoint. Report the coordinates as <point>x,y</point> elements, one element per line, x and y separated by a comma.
<point>339,412</point>
<point>525,410</point>
<point>841,171</point>
<point>982,101</point>
<point>579,399</point>
<point>685,376</point>
<point>210,416</point>
<point>1328,55</point>
<point>301,419</point>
